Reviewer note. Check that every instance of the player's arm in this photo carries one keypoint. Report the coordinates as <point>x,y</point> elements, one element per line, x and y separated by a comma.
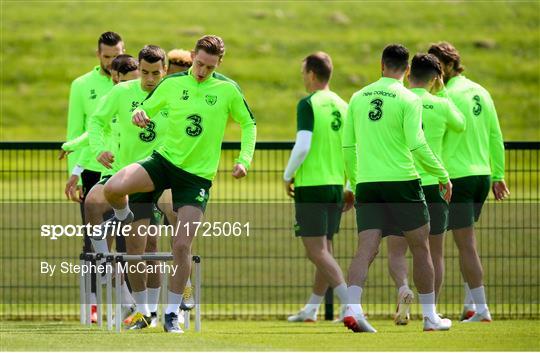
<point>75,120</point>
<point>153,103</point>
<point>304,127</point>
<point>76,143</point>
<point>454,117</point>
<point>496,153</point>
<point>241,114</point>
<point>416,141</point>
<point>349,147</point>
<point>106,109</point>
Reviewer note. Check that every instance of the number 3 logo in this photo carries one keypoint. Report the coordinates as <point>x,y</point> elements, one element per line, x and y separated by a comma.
<point>195,129</point>
<point>477,109</point>
<point>149,132</point>
<point>376,113</point>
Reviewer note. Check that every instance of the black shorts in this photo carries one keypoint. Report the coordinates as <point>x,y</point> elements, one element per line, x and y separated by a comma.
<point>438,209</point>
<point>318,210</point>
<point>468,197</point>
<point>391,206</point>
<point>186,188</point>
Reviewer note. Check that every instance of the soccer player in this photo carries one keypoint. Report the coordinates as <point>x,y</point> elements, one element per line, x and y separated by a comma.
<point>179,60</point>
<point>475,162</point>
<point>200,102</point>
<point>128,145</point>
<point>315,175</point>
<point>439,115</point>
<point>383,131</point>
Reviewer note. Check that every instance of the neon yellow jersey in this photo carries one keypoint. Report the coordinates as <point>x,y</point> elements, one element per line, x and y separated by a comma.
<point>84,96</point>
<point>323,113</point>
<point>439,116</point>
<point>127,142</point>
<point>383,130</point>
<point>480,149</point>
<point>198,114</point>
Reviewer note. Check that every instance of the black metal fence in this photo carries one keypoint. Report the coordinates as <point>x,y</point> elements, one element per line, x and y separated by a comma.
<point>265,273</point>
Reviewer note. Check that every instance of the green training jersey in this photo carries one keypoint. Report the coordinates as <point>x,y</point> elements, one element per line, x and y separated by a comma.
<point>84,96</point>
<point>77,143</point>
<point>480,149</point>
<point>439,116</point>
<point>111,127</point>
<point>382,131</point>
<point>323,113</point>
<point>198,114</point>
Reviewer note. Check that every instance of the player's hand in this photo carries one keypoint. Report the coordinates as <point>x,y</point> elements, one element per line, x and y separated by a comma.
<point>63,154</point>
<point>106,158</point>
<point>73,191</point>
<point>438,85</point>
<point>289,187</point>
<point>239,171</point>
<point>500,190</point>
<point>348,200</point>
<point>140,118</point>
<point>447,190</point>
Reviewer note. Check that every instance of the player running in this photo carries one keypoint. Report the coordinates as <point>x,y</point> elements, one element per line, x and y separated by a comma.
<point>383,131</point>
<point>200,102</point>
<point>315,175</point>
<point>475,161</point>
<point>439,116</point>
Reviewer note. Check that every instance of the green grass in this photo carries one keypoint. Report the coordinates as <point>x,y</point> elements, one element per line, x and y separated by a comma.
<point>272,336</point>
<point>45,45</point>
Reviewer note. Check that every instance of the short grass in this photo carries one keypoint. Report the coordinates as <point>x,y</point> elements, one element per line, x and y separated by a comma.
<point>273,335</point>
<point>45,45</point>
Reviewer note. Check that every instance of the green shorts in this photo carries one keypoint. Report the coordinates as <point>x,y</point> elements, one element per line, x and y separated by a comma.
<point>186,188</point>
<point>468,197</point>
<point>437,208</point>
<point>142,204</point>
<point>318,210</point>
<point>391,206</point>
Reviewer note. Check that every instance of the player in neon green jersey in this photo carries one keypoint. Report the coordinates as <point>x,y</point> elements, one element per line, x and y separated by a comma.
<point>315,175</point>
<point>383,131</point>
<point>200,102</point>
<point>475,162</point>
<point>439,116</point>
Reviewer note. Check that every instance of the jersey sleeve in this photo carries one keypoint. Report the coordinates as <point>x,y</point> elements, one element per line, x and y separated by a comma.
<point>416,141</point>
<point>156,100</point>
<point>75,120</point>
<point>242,114</point>
<point>454,117</point>
<point>77,143</point>
<point>496,144</point>
<point>106,109</point>
<point>304,115</point>
<point>349,148</point>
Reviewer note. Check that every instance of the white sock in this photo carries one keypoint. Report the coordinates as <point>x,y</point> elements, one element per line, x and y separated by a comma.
<point>188,282</point>
<point>100,245</point>
<point>313,303</point>
<point>403,288</point>
<point>173,302</point>
<point>479,297</point>
<point>428,306</point>
<point>127,298</point>
<point>355,299</point>
<point>93,298</point>
<point>122,213</point>
<point>141,298</point>
<point>342,293</point>
<point>469,302</point>
<point>153,299</point>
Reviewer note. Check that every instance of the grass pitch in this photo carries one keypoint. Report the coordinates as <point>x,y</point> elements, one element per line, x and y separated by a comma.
<point>516,335</point>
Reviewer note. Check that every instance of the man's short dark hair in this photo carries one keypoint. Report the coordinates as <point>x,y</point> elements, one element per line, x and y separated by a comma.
<point>320,64</point>
<point>152,54</point>
<point>124,63</point>
<point>109,38</point>
<point>424,67</point>
<point>395,57</point>
<point>447,54</point>
<point>211,44</point>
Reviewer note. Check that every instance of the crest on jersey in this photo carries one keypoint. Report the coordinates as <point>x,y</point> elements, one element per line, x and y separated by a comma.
<point>210,100</point>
